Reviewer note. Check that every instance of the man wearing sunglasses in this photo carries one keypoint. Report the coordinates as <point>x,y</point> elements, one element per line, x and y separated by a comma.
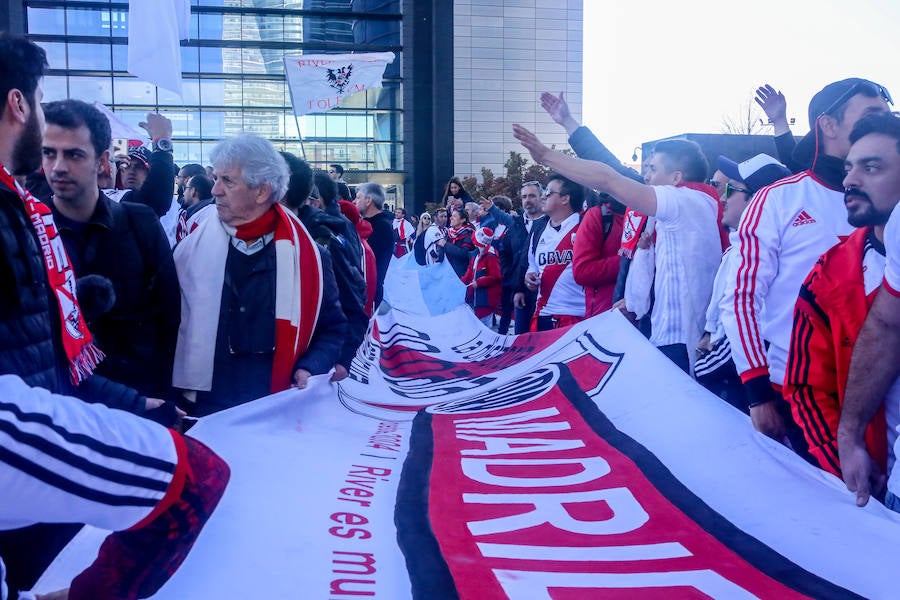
<point>787,226</point>
<point>714,368</point>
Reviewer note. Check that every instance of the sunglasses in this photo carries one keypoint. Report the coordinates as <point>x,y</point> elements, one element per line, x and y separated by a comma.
<point>731,189</point>
<point>854,90</point>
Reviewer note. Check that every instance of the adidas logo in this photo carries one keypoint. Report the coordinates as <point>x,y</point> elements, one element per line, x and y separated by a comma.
<point>803,219</point>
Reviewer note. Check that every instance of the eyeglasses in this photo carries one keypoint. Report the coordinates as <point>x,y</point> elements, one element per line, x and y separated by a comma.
<point>730,190</point>
<point>549,193</point>
<point>854,90</point>
<point>715,183</point>
<point>536,184</point>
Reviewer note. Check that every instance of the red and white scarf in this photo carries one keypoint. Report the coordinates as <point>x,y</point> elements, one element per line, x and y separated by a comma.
<point>200,261</point>
<point>463,232</point>
<point>631,232</point>
<point>635,221</point>
<point>83,356</point>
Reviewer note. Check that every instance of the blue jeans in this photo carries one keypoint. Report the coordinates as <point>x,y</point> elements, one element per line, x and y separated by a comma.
<point>523,315</point>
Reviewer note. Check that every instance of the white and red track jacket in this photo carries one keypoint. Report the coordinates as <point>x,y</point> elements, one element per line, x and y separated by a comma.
<point>558,293</point>
<point>892,247</point>
<point>785,229</point>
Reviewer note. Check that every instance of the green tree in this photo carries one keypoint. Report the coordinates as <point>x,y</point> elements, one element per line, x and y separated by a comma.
<point>515,172</point>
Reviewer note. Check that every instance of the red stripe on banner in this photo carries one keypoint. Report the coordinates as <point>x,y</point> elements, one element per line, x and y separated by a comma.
<point>478,357</point>
<point>529,501</point>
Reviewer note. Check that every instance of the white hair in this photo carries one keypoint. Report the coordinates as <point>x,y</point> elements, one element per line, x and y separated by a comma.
<point>257,159</point>
<point>374,191</point>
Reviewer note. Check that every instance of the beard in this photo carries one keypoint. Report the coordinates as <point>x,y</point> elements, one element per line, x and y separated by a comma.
<point>865,214</point>
<point>26,154</point>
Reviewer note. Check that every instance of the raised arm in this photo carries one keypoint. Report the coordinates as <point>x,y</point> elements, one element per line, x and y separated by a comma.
<point>596,175</point>
<point>582,140</point>
<point>775,106</point>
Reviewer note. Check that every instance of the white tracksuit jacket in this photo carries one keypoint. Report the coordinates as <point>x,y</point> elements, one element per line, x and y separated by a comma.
<point>784,230</point>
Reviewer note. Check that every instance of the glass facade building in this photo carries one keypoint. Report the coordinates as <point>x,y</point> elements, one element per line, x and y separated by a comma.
<point>233,75</point>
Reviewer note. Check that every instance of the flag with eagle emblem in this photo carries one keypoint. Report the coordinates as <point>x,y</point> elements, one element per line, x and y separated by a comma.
<point>318,82</point>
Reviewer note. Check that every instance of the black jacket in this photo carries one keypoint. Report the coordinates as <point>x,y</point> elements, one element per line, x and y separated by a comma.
<point>531,241</point>
<point>158,189</point>
<point>459,252</point>
<point>382,243</point>
<point>30,338</point>
<point>587,146</point>
<point>245,338</point>
<point>514,247</point>
<point>333,232</point>
<point>125,243</point>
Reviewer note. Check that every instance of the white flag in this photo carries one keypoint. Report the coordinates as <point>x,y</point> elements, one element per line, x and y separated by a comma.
<point>319,81</point>
<point>154,30</point>
<point>119,128</point>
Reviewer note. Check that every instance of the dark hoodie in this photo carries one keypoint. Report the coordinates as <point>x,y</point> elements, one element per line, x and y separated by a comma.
<point>329,231</point>
<point>382,243</point>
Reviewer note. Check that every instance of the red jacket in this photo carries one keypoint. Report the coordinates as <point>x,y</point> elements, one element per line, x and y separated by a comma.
<point>828,315</point>
<point>484,297</point>
<point>595,264</point>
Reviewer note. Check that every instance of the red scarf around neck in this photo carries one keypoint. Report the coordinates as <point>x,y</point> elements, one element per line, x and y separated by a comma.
<point>258,227</point>
<point>80,350</point>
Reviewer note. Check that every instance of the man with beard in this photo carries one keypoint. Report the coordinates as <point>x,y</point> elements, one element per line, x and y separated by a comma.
<point>197,196</point>
<point>834,302</point>
<point>837,295</point>
<point>786,228</point>
<point>184,176</point>
<point>64,461</point>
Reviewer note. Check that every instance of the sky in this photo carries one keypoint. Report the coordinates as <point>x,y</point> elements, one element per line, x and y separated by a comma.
<point>657,68</point>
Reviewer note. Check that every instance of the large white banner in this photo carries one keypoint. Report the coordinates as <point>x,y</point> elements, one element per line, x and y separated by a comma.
<point>318,82</point>
<point>568,464</point>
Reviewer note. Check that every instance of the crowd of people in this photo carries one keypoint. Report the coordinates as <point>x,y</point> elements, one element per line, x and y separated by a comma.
<point>773,282</point>
<point>756,279</point>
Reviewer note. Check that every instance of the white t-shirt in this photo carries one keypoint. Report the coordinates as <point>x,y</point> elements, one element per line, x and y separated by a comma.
<point>688,252</point>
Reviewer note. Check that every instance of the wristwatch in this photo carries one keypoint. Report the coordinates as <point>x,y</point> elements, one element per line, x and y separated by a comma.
<point>162,145</point>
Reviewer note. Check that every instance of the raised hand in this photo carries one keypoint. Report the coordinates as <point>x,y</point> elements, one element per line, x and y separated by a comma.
<point>158,126</point>
<point>772,102</point>
<point>558,109</point>
<point>535,147</point>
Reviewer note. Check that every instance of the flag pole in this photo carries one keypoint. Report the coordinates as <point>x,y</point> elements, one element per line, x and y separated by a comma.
<point>296,118</point>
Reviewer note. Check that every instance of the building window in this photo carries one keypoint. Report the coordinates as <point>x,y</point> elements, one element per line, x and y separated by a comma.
<point>233,74</point>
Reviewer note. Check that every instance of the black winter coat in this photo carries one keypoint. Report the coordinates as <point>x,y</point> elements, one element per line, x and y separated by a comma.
<point>125,243</point>
<point>158,188</point>
<point>30,338</point>
<point>333,232</point>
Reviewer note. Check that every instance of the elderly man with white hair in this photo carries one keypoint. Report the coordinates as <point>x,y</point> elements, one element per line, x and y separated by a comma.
<point>259,305</point>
